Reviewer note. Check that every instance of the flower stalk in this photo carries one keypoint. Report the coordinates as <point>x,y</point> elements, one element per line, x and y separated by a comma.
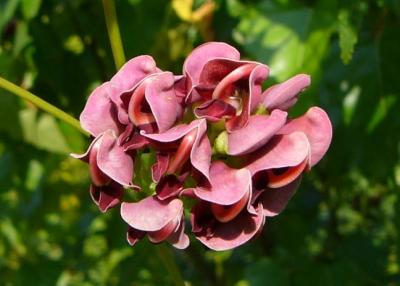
<point>114,33</point>
<point>42,104</point>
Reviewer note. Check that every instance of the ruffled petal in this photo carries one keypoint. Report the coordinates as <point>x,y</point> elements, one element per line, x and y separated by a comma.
<point>100,113</point>
<point>223,236</point>
<point>214,110</point>
<point>179,238</point>
<point>130,74</point>
<point>281,161</point>
<point>151,214</point>
<point>200,154</point>
<point>252,100</point>
<point>170,186</point>
<point>134,235</point>
<point>282,151</point>
<point>274,201</point>
<point>195,62</point>
<point>113,161</point>
<point>199,57</point>
<point>284,95</point>
<point>161,98</point>
<point>256,133</point>
<point>106,197</point>
<point>315,124</point>
<point>228,185</point>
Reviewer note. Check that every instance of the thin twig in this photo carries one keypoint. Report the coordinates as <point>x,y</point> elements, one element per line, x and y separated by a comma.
<point>113,33</point>
<point>42,104</point>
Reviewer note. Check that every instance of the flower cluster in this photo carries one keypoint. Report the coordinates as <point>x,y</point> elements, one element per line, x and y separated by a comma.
<point>219,140</point>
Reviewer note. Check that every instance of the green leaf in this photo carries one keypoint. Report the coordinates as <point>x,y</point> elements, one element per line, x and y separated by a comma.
<point>43,132</point>
<point>347,36</point>
<point>382,109</point>
<point>30,8</point>
<point>22,38</point>
<point>277,40</point>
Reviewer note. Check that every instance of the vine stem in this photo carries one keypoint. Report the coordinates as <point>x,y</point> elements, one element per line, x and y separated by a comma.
<point>42,104</point>
<point>114,33</point>
<point>169,262</point>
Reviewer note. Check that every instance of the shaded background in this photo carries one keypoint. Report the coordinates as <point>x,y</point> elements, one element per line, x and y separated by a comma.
<point>341,228</point>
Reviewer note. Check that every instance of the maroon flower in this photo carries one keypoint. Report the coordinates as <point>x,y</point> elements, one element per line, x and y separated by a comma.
<point>258,158</point>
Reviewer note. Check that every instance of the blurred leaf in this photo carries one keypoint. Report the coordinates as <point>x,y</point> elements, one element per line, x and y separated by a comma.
<point>381,111</point>
<point>277,40</point>
<point>30,8</point>
<point>347,36</point>
<point>22,38</point>
<point>7,10</point>
<point>43,131</point>
<point>266,272</point>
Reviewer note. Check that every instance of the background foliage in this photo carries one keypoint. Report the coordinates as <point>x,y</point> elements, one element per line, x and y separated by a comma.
<point>341,228</point>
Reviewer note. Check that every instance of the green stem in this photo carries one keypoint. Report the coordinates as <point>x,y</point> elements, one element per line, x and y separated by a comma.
<point>113,33</point>
<point>169,263</point>
<point>40,103</point>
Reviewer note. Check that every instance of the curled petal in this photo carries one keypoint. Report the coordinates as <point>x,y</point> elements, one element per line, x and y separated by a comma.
<point>214,110</point>
<point>100,113</point>
<point>223,70</point>
<point>165,232</point>
<point>315,124</point>
<point>282,151</point>
<point>157,93</point>
<point>225,213</point>
<point>179,239</point>
<point>134,235</point>
<point>162,100</point>
<point>281,161</point>
<point>256,133</point>
<point>252,100</point>
<point>130,74</point>
<point>228,185</point>
<point>106,197</point>
<point>195,62</point>
<point>90,157</point>
<point>200,153</point>
<point>284,95</point>
<point>136,141</point>
<point>159,167</point>
<point>113,161</point>
<point>170,186</point>
<point>151,214</point>
<point>223,236</point>
<point>274,201</point>
<point>202,54</point>
<point>278,178</point>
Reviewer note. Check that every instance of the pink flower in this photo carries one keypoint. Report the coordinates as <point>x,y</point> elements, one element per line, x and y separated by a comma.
<point>217,137</point>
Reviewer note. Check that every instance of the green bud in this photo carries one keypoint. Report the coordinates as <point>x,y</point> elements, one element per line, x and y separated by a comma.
<point>221,143</point>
